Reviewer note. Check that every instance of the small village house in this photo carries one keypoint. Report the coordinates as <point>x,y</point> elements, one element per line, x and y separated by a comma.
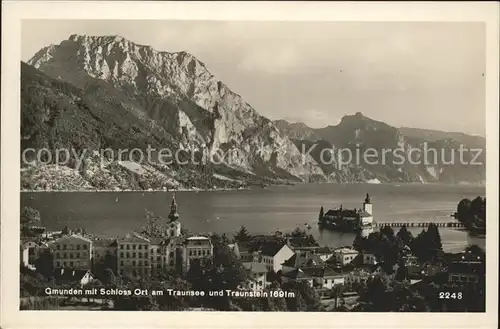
<point>257,275</point>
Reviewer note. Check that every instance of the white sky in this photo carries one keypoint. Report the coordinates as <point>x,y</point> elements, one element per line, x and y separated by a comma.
<point>425,75</point>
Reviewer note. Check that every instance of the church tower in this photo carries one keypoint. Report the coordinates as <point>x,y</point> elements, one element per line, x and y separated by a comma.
<point>174,226</point>
<point>367,205</point>
<point>173,215</point>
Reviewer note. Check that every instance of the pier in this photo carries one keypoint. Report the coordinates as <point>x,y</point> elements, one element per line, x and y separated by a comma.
<point>418,224</point>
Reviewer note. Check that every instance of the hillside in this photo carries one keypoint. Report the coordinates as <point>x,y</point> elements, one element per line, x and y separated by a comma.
<point>358,133</point>
<point>95,93</point>
<point>134,96</point>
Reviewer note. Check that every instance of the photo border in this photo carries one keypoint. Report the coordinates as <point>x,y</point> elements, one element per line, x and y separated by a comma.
<point>14,12</point>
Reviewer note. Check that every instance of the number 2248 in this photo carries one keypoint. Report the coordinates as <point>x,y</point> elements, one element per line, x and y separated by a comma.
<point>450,295</point>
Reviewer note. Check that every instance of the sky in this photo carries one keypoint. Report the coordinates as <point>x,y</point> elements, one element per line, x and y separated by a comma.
<point>412,74</point>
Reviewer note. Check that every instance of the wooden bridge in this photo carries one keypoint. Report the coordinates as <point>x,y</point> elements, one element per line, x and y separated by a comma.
<point>418,224</point>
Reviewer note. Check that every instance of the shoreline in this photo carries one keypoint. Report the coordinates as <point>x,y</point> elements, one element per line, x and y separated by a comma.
<point>242,188</point>
<point>143,191</point>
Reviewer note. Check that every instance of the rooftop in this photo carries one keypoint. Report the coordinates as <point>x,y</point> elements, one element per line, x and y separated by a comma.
<point>346,250</point>
<point>198,238</point>
<point>271,249</point>
<point>255,267</point>
<point>74,236</point>
<point>134,238</point>
<point>105,243</point>
<point>296,274</point>
<point>343,213</point>
<point>70,274</point>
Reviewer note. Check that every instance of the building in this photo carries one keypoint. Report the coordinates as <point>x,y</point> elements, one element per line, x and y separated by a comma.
<point>105,253</point>
<point>366,215</point>
<point>257,275</point>
<point>466,273</point>
<point>349,219</point>
<point>273,255</point>
<point>369,259</point>
<point>299,260</point>
<point>196,248</point>
<point>466,268</point>
<point>324,277</point>
<point>70,276</point>
<point>157,255</point>
<point>133,255</point>
<point>72,251</point>
<point>358,275</point>
<point>345,255</point>
<point>242,251</point>
<point>30,252</point>
<point>173,226</point>
<point>297,275</point>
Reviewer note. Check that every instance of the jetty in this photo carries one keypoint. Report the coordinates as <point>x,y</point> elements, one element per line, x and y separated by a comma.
<point>418,224</point>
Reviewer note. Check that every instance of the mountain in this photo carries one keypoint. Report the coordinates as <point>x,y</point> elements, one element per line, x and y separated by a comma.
<point>297,130</point>
<point>95,92</point>
<point>439,159</point>
<point>97,96</point>
<point>434,135</point>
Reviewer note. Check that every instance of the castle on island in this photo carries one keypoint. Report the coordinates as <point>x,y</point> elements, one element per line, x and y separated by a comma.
<point>348,220</point>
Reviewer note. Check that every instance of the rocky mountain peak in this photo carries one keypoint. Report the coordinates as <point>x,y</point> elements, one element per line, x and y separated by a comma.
<point>176,91</point>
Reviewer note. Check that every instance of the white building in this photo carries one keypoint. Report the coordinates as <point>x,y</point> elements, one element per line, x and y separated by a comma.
<point>133,255</point>
<point>366,215</point>
<point>72,251</point>
<point>345,255</point>
<point>274,255</point>
<point>257,280</point>
<point>196,248</point>
<point>331,278</point>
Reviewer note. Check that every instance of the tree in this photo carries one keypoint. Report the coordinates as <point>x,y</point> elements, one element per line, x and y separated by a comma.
<point>360,243</point>
<point>306,298</point>
<point>30,216</point>
<point>242,235</point>
<point>109,278</point>
<point>44,264</point>
<point>478,208</point>
<point>463,209</point>
<point>65,231</point>
<point>321,213</point>
<point>427,244</point>
<point>388,232</point>
<point>433,239</point>
<point>154,227</point>
<point>374,295</point>
<point>404,236</point>
<point>475,249</point>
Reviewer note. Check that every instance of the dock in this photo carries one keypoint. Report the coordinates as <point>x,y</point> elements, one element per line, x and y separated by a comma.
<point>418,224</point>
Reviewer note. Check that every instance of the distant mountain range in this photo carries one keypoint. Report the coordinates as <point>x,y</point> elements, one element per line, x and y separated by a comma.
<point>91,93</point>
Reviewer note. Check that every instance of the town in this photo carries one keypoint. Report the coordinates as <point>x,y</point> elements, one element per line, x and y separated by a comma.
<point>384,271</point>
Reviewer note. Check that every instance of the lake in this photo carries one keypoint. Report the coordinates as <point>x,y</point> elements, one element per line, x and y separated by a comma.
<point>261,210</point>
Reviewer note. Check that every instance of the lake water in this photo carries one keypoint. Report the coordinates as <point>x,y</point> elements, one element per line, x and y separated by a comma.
<point>261,210</point>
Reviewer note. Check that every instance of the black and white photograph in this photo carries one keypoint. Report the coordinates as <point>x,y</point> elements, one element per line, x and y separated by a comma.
<point>253,166</point>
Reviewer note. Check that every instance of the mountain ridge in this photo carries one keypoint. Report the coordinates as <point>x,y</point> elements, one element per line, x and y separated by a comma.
<point>172,99</point>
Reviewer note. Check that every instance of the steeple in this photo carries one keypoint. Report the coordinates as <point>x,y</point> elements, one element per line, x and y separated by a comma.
<point>367,199</point>
<point>174,215</point>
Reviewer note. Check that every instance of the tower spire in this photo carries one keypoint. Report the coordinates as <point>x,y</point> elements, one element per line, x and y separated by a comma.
<point>368,199</point>
<point>173,215</point>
